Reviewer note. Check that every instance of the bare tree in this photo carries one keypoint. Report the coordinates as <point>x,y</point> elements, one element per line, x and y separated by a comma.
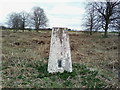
<point>38,18</point>
<point>107,13</point>
<point>89,24</point>
<point>24,19</point>
<point>118,26</point>
<point>92,22</point>
<point>14,21</point>
<point>116,23</point>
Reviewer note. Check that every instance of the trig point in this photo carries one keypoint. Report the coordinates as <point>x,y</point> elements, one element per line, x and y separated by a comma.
<point>60,54</point>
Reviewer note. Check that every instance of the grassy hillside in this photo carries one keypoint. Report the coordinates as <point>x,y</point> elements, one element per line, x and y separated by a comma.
<point>25,56</point>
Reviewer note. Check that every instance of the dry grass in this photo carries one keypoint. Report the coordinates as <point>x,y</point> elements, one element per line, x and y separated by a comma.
<point>21,50</point>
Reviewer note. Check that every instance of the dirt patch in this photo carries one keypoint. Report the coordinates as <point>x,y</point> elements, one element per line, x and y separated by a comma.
<point>113,65</point>
<point>38,41</point>
<point>19,43</point>
<point>112,48</point>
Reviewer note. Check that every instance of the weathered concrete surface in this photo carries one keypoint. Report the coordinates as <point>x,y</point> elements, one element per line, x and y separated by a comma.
<point>60,54</point>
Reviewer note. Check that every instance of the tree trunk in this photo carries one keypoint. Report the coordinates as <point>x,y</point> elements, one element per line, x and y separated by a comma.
<point>105,34</point>
<point>106,29</point>
<point>90,31</point>
<point>23,26</point>
<point>37,27</point>
<point>91,26</point>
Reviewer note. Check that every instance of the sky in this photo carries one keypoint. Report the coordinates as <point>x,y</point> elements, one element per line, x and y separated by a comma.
<point>60,13</point>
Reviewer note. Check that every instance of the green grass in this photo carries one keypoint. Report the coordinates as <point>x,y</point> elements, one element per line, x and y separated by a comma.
<point>35,74</point>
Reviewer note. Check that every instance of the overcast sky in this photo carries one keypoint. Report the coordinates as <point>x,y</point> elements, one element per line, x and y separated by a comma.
<point>61,13</point>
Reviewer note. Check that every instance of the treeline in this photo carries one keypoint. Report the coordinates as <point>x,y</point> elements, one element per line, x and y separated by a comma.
<point>99,16</point>
<point>36,19</point>
<point>103,15</point>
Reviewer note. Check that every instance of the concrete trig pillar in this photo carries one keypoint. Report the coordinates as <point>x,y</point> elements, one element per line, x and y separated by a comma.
<point>60,54</point>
